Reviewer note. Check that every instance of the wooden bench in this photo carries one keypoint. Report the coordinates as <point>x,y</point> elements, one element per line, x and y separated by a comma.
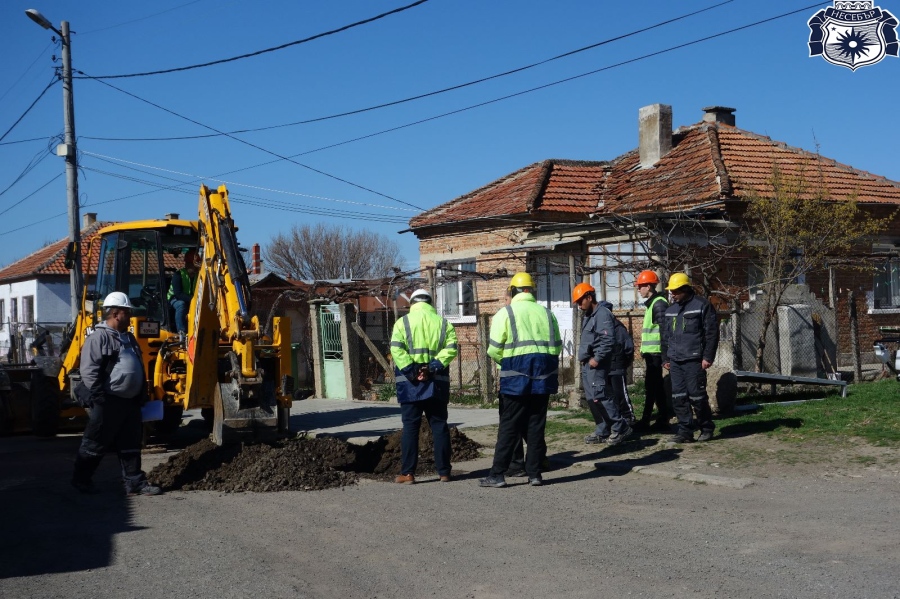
<point>781,379</point>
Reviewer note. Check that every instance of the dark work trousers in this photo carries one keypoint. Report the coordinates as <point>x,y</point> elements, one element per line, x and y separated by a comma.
<point>655,392</point>
<point>615,384</point>
<point>605,410</point>
<point>518,460</point>
<point>114,424</point>
<point>689,397</point>
<point>523,416</point>
<point>411,414</point>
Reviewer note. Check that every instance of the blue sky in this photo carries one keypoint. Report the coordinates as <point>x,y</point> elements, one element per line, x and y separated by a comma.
<point>764,71</point>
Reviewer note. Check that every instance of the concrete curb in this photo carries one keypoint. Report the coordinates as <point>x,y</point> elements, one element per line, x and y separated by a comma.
<point>695,477</point>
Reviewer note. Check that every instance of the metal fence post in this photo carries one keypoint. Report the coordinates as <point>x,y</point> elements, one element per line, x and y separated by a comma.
<point>485,369</point>
<point>854,339</point>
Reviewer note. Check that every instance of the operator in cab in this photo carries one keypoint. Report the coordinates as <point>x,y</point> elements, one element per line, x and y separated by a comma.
<point>182,289</point>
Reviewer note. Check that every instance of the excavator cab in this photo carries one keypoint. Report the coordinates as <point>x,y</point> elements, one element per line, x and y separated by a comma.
<point>141,263</point>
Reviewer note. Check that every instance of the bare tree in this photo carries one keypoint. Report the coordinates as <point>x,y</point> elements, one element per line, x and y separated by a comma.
<point>797,228</point>
<point>321,251</point>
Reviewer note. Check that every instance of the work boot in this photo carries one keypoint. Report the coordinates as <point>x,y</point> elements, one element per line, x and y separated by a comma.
<point>146,489</point>
<point>498,481</point>
<point>705,436</point>
<point>405,479</point>
<point>595,439</point>
<point>445,478</point>
<point>661,426</point>
<point>535,481</point>
<point>616,438</point>
<point>681,438</point>
<point>516,472</point>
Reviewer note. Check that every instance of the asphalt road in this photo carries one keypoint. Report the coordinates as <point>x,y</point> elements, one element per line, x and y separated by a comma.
<point>588,533</point>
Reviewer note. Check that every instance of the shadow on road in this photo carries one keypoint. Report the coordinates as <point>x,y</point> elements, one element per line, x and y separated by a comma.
<point>46,526</point>
<point>745,429</point>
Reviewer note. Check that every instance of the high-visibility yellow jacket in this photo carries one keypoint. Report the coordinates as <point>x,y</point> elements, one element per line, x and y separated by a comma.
<point>417,339</point>
<point>651,336</point>
<point>525,341</point>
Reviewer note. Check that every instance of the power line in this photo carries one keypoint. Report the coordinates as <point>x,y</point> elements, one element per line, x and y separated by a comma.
<point>432,93</point>
<point>132,165</point>
<point>32,193</point>
<point>35,160</point>
<point>281,47</point>
<point>252,145</point>
<point>16,82</point>
<point>156,14</point>
<point>27,110</point>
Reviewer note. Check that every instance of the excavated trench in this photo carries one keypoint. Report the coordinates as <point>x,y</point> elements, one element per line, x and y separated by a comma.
<point>301,464</point>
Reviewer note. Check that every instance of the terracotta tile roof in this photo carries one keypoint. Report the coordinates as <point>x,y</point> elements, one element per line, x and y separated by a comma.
<point>50,259</point>
<point>550,186</point>
<point>708,162</point>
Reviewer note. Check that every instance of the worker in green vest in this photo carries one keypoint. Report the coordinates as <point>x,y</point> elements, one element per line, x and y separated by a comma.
<point>423,344</point>
<point>181,290</point>
<point>652,352</point>
<point>525,341</point>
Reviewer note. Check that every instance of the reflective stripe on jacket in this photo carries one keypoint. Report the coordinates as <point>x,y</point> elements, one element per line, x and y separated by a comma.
<point>692,330</point>
<point>418,338</point>
<point>525,341</point>
<point>651,337</point>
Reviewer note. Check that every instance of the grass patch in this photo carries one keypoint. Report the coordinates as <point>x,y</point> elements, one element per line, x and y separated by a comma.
<point>871,411</point>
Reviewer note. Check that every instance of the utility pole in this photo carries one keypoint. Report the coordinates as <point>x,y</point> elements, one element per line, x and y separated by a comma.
<point>68,150</point>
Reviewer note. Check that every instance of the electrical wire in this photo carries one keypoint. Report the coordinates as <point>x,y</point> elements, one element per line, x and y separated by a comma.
<point>132,165</point>
<point>32,193</point>
<point>432,93</point>
<point>37,58</point>
<point>281,47</point>
<point>27,110</point>
<point>260,148</point>
<point>32,164</point>
<point>156,14</point>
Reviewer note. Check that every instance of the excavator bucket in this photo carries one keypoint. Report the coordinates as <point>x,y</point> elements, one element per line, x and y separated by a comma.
<point>244,413</point>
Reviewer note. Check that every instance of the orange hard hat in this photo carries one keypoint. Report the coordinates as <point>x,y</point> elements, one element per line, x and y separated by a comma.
<point>647,277</point>
<point>581,289</point>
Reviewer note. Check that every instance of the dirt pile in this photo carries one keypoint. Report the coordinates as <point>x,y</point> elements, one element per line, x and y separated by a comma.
<point>301,464</point>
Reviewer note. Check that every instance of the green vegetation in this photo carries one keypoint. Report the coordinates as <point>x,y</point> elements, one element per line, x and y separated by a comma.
<point>871,412</point>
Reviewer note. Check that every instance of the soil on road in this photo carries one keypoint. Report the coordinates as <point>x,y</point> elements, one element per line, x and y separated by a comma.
<point>815,522</point>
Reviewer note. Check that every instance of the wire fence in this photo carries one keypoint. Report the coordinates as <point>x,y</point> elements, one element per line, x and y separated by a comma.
<point>20,341</point>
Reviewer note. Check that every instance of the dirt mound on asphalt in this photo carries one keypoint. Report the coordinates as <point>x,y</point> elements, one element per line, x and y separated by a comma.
<point>301,464</point>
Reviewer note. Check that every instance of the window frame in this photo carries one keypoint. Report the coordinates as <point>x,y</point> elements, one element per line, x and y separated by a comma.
<point>888,274</point>
<point>607,265</point>
<point>458,317</point>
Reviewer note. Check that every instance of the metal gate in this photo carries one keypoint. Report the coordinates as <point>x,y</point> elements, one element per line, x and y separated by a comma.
<point>332,352</point>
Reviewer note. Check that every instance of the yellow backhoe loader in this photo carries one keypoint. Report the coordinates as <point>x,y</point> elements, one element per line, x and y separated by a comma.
<point>224,364</point>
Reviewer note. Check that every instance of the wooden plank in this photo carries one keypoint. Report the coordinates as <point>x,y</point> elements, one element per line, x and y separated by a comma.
<point>388,371</point>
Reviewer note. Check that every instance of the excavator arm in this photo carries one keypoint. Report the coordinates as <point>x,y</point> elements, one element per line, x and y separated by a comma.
<point>230,364</point>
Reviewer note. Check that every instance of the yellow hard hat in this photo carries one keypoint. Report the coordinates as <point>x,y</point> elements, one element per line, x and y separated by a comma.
<point>521,279</point>
<point>677,281</point>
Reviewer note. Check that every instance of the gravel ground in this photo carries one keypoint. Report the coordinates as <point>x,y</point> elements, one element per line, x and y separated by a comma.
<point>820,527</point>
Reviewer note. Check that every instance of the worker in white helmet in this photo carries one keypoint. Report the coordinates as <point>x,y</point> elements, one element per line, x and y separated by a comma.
<point>113,385</point>
<point>423,344</point>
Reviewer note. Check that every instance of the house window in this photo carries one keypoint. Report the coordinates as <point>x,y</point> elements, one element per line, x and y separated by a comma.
<point>13,310</point>
<point>887,285</point>
<point>28,309</point>
<point>456,294</point>
<point>615,274</point>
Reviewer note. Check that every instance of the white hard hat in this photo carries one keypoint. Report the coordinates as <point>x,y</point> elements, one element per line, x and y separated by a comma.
<point>117,299</point>
<point>420,295</point>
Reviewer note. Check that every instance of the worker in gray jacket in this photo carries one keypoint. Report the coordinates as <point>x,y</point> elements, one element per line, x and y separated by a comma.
<point>622,357</point>
<point>691,337</point>
<point>595,353</point>
<point>113,387</point>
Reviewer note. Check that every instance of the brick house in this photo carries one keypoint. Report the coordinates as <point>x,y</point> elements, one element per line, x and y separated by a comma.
<point>566,221</point>
<point>35,289</point>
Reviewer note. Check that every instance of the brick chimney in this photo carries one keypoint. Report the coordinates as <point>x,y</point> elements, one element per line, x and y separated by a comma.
<point>654,133</point>
<point>719,114</point>
<point>88,219</point>
<point>256,267</point>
